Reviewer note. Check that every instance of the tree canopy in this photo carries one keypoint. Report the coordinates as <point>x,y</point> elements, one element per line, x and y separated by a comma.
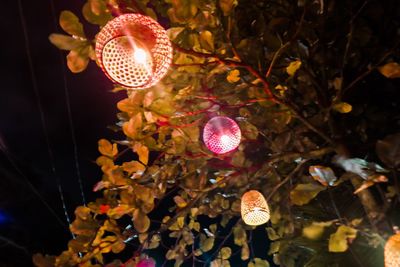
<point>314,88</point>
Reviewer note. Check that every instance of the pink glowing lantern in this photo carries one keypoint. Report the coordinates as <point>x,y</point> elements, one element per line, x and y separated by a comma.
<point>146,263</point>
<point>134,51</point>
<point>221,135</point>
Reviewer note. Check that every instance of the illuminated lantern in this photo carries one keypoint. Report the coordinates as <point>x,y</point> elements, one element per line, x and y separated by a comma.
<point>254,208</point>
<point>146,263</point>
<point>221,135</point>
<point>392,251</point>
<point>134,51</point>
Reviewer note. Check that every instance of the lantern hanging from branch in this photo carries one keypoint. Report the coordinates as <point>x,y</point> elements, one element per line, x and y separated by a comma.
<point>392,251</point>
<point>221,135</point>
<point>254,208</point>
<point>134,51</point>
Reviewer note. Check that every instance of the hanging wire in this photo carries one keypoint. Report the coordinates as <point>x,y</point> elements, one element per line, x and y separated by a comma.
<point>68,104</point>
<point>42,118</point>
<point>11,159</point>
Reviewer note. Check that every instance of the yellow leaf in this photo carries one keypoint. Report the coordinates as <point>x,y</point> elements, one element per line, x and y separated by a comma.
<point>206,244</point>
<point>240,236</point>
<point>107,149</point>
<point>133,166</point>
<point>174,32</point>
<point>227,6</point>
<point>140,221</point>
<point>180,202</point>
<point>390,70</point>
<point>78,59</point>
<point>293,67</point>
<point>245,252</point>
<point>338,242</point>
<point>315,230</point>
<point>207,40</point>
<point>342,107</point>
<point>69,22</point>
<point>233,76</point>
<point>304,193</point>
<point>65,42</point>
<point>181,222</point>
<point>225,253</point>
<point>143,152</point>
<point>133,126</point>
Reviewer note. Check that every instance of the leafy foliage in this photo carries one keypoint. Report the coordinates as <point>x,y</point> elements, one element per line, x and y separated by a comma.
<point>286,72</point>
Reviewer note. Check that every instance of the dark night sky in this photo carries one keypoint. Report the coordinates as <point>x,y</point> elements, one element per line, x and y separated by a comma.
<point>24,219</point>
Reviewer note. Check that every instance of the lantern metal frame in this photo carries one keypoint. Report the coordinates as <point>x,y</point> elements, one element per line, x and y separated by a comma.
<point>138,31</point>
<point>254,208</point>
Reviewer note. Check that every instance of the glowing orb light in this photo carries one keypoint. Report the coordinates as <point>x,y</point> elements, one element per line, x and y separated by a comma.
<point>392,251</point>
<point>254,208</point>
<point>221,135</point>
<point>146,263</point>
<point>134,51</point>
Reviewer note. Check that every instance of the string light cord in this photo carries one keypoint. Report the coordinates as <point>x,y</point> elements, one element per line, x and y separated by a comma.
<point>12,161</point>
<point>42,117</point>
<point>69,111</point>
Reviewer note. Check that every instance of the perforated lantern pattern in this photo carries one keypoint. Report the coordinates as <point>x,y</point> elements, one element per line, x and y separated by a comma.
<point>392,251</point>
<point>221,135</point>
<point>254,208</point>
<point>134,51</point>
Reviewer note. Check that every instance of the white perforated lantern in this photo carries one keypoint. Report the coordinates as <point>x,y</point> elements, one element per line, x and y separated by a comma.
<point>392,251</point>
<point>221,135</point>
<point>254,208</point>
<point>134,51</point>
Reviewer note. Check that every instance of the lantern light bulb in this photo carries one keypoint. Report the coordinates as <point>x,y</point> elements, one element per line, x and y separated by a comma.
<point>140,56</point>
<point>225,140</point>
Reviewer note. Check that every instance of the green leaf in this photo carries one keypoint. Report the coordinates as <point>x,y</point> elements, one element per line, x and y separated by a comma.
<point>390,70</point>
<point>293,67</point>
<point>342,107</point>
<point>240,236</point>
<point>225,253</point>
<point>69,22</point>
<point>227,6</point>
<point>272,234</point>
<point>304,193</point>
<point>257,262</point>
<point>65,42</point>
<point>315,230</point>
<point>339,241</point>
<point>206,244</point>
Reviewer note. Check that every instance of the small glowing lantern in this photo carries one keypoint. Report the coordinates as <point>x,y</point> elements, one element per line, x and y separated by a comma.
<point>392,251</point>
<point>134,51</point>
<point>146,263</point>
<point>221,135</point>
<point>254,208</point>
